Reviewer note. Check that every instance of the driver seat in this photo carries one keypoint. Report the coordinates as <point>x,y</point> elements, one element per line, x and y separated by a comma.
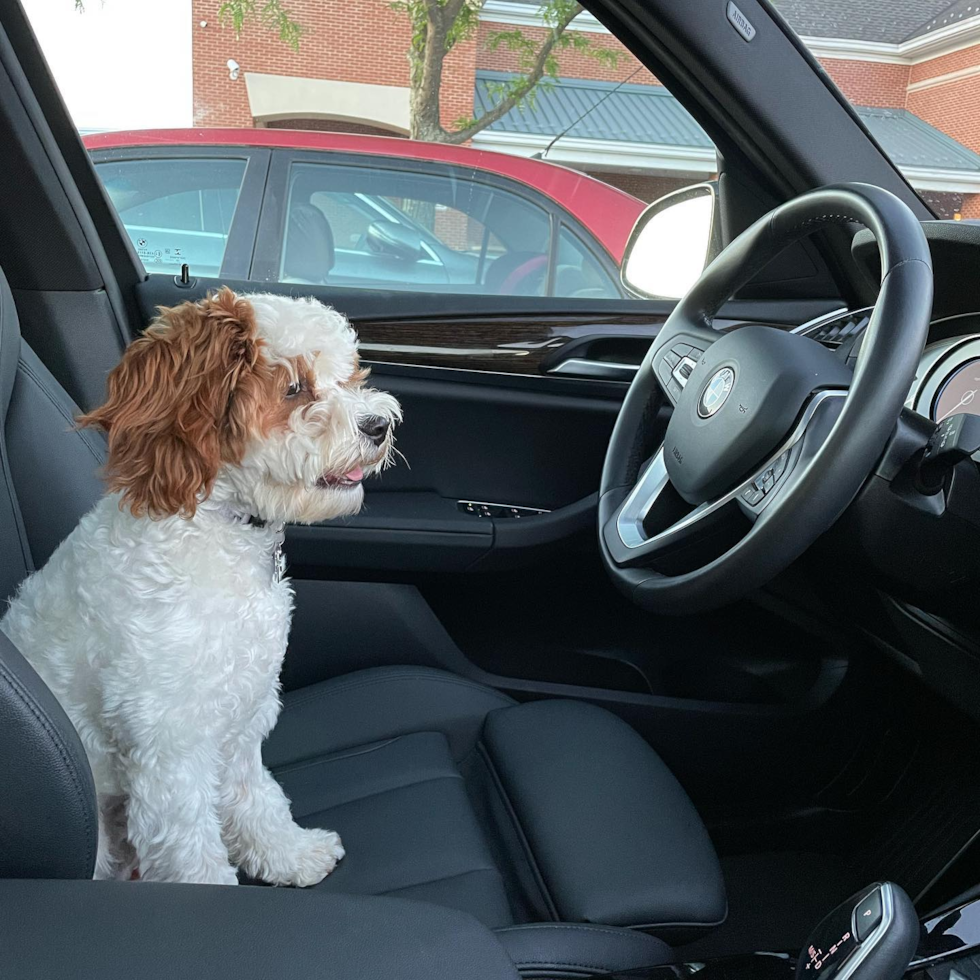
<point>552,822</point>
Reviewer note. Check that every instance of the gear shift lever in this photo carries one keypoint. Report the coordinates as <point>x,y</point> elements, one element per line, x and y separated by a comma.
<point>872,936</point>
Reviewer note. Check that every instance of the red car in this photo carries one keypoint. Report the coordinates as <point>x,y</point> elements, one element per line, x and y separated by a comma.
<point>369,211</point>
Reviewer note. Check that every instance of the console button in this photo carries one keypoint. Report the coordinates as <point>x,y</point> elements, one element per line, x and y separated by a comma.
<point>867,915</point>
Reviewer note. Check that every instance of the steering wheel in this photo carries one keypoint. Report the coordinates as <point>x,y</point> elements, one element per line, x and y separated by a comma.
<point>532,271</point>
<point>771,435</point>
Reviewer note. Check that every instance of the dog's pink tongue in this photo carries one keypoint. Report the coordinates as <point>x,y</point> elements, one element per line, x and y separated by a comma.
<point>355,476</point>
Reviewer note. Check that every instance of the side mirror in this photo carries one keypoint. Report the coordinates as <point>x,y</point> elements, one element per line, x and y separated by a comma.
<point>391,238</point>
<point>671,243</point>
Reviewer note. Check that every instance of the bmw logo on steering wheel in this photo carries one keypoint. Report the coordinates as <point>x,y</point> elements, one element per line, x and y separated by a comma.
<point>715,393</point>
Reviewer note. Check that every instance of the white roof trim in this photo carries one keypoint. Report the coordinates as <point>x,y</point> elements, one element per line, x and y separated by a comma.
<point>844,49</point>
<point>955,181</point>
<point>607,155</point>
<point>945,40</point>
<point>935,44</point>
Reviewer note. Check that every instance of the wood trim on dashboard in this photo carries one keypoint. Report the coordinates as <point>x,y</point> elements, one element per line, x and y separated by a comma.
<point>504,344</point>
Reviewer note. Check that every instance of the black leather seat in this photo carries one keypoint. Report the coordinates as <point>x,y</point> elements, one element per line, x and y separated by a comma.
<point>552,822</point>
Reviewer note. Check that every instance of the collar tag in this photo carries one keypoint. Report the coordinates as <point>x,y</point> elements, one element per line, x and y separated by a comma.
<point>279,556</point>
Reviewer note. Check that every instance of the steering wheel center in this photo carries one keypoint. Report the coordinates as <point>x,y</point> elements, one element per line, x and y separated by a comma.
<point>739,403</point>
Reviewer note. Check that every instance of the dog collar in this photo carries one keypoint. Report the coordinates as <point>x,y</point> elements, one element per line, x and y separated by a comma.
<point>278,555</point>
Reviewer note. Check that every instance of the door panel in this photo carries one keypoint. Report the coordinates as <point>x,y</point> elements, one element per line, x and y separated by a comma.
<point>524,603</point>
<point>488,427</point>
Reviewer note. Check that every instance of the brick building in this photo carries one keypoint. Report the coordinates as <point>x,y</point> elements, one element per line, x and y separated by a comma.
<point>911,67</point>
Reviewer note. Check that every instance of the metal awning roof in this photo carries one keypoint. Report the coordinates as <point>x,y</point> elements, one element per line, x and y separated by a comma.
<point>649,115</point>
<point>632,114</point>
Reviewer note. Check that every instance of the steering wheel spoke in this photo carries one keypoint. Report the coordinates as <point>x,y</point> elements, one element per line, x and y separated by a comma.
<point>654,522</point>
<point>771,481</point>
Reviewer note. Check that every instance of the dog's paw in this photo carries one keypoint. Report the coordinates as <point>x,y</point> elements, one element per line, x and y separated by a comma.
<point>222,876</point>
<point>309,860</point>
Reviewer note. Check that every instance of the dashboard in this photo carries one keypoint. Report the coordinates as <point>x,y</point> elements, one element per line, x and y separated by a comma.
<point>947,381</point>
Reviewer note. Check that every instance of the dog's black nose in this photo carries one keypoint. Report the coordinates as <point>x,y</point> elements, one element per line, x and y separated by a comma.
<point>374,427</point>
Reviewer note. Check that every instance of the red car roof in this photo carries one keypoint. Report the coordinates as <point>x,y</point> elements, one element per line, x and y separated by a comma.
<point>607,212</point>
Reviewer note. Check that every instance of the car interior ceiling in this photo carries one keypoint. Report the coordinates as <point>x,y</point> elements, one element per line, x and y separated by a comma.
<point>817,758</point>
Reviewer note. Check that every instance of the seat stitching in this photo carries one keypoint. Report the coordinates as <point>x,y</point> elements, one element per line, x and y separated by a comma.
<point>525,844</point>
<point>565,964</point>
<point>338,687</point>
<point>432,881</point>
<point>35,709</point>
<point>337,756</point>
<point>580,927</point>
<point>8,476</point>
<point>380,792</point>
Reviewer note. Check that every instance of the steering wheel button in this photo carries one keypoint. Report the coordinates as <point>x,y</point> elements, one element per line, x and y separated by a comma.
<point>674,389</point>
<point>752,495</point>
<point>672,358</point>
<point>867,915</point>
<point>681,350</point>
<point>664,370</point>
<point>779,467</point>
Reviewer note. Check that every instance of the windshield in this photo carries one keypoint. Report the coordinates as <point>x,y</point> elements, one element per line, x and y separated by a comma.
<point>507,88</point>
<point>911,69</point>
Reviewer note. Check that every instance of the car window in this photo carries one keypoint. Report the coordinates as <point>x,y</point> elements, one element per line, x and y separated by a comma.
<point>176,210</point>
<point>536,100</point>
<point>381,226</point>
<point>578,272</point>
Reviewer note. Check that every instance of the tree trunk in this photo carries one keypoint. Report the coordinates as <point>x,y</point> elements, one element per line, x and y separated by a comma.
<point>424,98</point>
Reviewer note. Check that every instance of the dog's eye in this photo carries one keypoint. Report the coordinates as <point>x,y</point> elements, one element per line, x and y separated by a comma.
<point>294,389</point>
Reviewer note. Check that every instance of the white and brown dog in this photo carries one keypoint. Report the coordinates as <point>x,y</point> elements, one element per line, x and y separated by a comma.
<point>161,622</point>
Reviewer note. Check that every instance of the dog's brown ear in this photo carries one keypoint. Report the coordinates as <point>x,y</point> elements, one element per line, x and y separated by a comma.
<point>182,400</point>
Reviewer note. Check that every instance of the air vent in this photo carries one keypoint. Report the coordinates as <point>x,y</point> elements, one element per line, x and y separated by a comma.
<point>834,331</point>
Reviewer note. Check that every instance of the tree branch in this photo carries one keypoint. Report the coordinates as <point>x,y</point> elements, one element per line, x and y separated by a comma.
<point>521,89</point>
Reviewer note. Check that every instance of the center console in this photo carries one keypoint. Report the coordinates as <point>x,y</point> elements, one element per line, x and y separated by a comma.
<point>874,935</point>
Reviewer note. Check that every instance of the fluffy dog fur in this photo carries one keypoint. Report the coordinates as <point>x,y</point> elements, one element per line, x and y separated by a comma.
<point>159,623</point>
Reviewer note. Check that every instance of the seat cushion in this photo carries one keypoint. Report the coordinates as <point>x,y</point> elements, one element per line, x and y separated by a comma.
<point>447,791</point>
<point>401,809</point>
<point>378,703</point>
